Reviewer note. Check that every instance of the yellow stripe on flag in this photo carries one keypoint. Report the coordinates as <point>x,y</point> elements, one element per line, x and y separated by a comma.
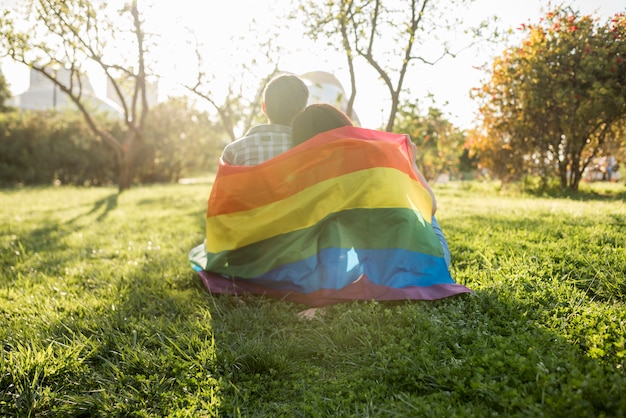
<point>379,187</point>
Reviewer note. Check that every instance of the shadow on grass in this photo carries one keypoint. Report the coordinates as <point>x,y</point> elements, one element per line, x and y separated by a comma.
<point>157,347</point>
<point>108,203</point>
<point>47,240</point>
<point>146,349</point>
<point>158,350</point>
<point>586,192</point>
<point>589,196</point>
<point>479,355</point>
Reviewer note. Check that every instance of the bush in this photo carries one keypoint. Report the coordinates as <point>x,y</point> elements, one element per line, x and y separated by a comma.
<point>48,147</point>
<point>44,147</point>
<point>179,142</point>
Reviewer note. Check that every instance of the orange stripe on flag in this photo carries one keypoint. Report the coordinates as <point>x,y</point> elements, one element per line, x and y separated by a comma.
<point>327,156</point>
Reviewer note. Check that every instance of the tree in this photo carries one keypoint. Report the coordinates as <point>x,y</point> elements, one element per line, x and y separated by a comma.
<point>73,34</point>
<point>384,34</point>
<point>50,147</point>
<point>552,102</point>
<point>181,141</point>
<point>439,142</point>
<point>329,21</point>
<point>237,95</point>
<point>234,109</point>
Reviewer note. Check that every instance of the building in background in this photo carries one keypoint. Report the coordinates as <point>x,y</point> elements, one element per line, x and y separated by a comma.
<point>42,94</point>
<point>152,93</point>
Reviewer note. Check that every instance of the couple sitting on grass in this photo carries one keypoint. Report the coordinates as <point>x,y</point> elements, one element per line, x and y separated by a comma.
<point>312,209</point>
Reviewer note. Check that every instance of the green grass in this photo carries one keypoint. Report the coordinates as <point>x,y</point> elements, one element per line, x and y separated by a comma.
<point>101,315</point>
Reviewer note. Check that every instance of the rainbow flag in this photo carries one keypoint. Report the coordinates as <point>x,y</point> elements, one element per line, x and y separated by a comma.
<point>340,217</point>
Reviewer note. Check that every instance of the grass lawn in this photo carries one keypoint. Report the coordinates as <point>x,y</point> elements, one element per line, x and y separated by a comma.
<point>101,315</point>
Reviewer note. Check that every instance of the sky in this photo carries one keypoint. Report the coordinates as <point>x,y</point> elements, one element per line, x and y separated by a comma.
<point>449,81</point>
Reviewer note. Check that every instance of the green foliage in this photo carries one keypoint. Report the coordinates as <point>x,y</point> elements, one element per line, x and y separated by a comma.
<point>555,101</point>
<point>51,147</point>
<point>100,315</point>
<point>47,147</point>
<point>393,38</point>
<point>440,143</point>
<point>70,34</point>
<point>180,141</point>
<point>5,92</point>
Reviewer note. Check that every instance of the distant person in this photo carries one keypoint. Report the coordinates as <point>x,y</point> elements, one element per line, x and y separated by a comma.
<point>283,97</point>
<point>610,166</point>
<point>322,117</point>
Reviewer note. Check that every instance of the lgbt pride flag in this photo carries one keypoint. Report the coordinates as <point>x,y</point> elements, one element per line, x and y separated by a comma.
<point>340,217</point>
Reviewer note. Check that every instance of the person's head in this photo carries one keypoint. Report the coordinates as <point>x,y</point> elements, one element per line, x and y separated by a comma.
<point>315,119</point>
<point>283,97</point>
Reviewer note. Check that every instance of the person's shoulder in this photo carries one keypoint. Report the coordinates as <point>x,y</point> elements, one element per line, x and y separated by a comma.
<point>250,134</point>
<point>269,128</point>
<point>233,149</point>
<point>257,141</point>
<point>257,130</point>
<point>234,144</point>
<point>261,134</point>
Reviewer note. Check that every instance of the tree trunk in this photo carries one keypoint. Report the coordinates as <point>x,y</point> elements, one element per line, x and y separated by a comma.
<point>128,159</point>
<point>392,113</point>
<point>575,180</point>
<point>563,174</point>
<point>126,173</point>
<point>575,174</point>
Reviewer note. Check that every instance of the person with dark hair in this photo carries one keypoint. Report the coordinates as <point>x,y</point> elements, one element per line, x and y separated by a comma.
<point>317,118</point>
<point>322,117</point>
<point>283,97</point>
